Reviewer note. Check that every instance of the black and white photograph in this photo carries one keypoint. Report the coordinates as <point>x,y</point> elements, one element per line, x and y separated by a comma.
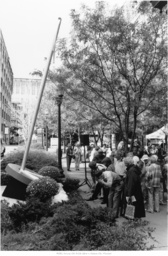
<point>84,127</point>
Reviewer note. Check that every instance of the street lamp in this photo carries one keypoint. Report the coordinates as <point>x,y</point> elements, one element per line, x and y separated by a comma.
<point>59,100</point>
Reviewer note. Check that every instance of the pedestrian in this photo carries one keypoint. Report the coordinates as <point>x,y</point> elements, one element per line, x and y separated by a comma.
<point>161,153</point>
<point>120,169</point>
<point>101,173</point>
<point>77,154</point>
<point>119,164</point>
<point>104,148</point>
<point>108,152</point>
<point>99,156</point>
<point>112,156</point>
<point>120,145</point>
<point>94,152</point>
<point>153,184</point>
<point>69,156</point>
<point>164,172</point>
<point>145,166</point>
<point>152,150</point>
<point>113,182</point>
<point>133,191</point>
<point>96,170</point>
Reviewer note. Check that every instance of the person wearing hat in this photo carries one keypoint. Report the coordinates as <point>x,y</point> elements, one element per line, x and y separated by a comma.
<point>97,172</point>
<point>99,157</point>
<point>113,182</point>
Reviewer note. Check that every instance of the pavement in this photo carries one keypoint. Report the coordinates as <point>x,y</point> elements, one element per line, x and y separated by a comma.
<point>158,221</point>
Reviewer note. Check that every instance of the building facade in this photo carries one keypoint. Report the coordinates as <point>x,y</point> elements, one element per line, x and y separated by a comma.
<point>25,95</point>
<point>6,88</point>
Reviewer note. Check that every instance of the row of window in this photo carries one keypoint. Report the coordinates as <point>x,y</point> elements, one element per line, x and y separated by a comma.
<point>27,89</point>
<point>7,78</point>
<point>4,53</point>
<point>5,89</point>
<point>5,116</point>
<point>3,100</point>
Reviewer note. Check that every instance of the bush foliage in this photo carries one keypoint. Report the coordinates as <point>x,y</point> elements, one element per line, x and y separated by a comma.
<point>52,172</point>
<point>70,225</point>
<point>5,178</point>
<point>43,188</point>
<point>35,161</point>
<point>71,184</point>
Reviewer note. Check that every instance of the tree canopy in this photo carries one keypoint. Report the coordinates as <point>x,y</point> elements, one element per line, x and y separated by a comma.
<point>117,67</point>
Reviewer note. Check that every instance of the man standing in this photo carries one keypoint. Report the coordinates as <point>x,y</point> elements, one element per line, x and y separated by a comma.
<point>69,156</point>
<point>77,154</point>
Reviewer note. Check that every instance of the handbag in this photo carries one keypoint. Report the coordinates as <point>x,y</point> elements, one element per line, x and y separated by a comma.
<point>130,211</point>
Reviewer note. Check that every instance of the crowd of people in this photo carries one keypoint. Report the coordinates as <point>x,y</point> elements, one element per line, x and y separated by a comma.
<point>138,178</point>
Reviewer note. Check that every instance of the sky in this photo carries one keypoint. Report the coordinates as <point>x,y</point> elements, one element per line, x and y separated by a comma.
<point>29,26</point>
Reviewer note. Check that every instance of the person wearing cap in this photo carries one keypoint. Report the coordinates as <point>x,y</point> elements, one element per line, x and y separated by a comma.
<point>97,171</point>
<point>113,182</point>
<point>99,157</point>
<point>154,177</point>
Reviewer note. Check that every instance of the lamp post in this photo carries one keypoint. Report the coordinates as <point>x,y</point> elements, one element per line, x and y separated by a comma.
<point>59,99</point>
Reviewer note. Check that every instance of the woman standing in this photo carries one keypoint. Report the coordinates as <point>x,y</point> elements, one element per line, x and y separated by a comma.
<point>77,154</point>
<point>133,187</point>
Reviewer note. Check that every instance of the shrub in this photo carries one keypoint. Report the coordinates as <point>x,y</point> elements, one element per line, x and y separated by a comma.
<point>6,223</point>
<point>32,210</point>
<point>52,172</point>
<point>35,161</point>
<point>72,225</point>
<point>71,184</point>
<point>43,188</point>
<point>5,179</point>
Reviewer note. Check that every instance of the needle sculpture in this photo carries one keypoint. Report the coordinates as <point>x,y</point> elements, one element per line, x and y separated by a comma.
<point>22,176</point>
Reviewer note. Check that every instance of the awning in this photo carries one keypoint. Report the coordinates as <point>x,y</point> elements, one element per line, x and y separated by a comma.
<point>159,134</point>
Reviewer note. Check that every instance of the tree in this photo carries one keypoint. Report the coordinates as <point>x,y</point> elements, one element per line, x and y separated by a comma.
<point>114,65</point>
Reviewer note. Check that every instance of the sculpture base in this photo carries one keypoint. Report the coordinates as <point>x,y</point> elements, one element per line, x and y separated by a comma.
<point>15,189</point>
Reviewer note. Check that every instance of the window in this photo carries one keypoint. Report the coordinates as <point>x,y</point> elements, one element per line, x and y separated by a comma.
<point>22,88</point>
<point>17,88</point>
<point>33,89</point>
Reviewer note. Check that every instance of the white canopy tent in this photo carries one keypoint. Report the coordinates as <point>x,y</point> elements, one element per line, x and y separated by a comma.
<point>159,134</point>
